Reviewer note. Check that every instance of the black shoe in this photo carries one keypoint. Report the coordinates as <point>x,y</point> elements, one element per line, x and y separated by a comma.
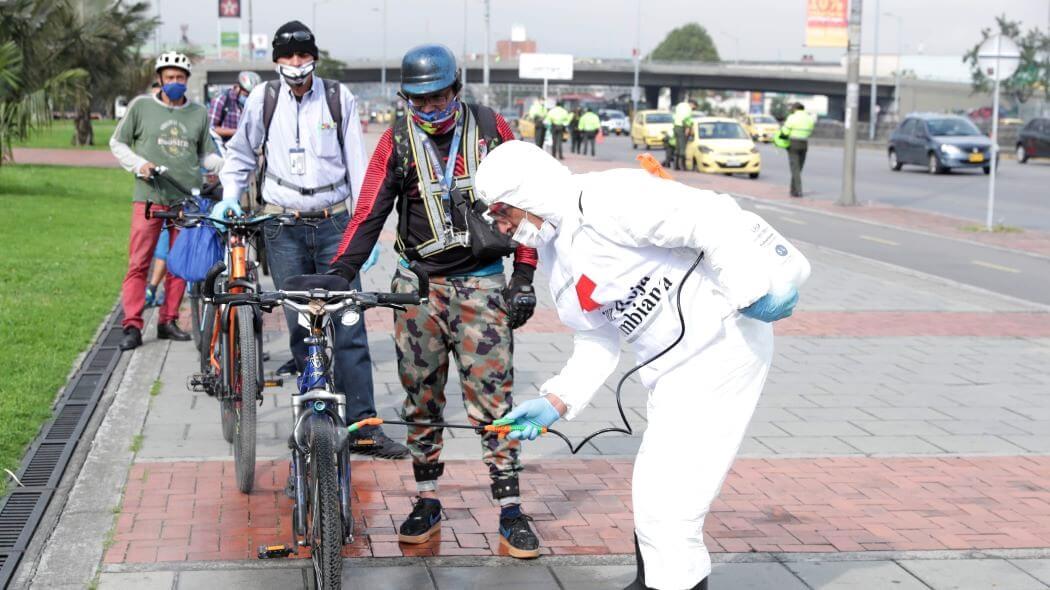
<point>372,441</point>
<point>171,331</point>
<point>288,368</point>
<point>424,521</point>
<point>517,537</point>
<point>639,581</point>
<point>132,338</point>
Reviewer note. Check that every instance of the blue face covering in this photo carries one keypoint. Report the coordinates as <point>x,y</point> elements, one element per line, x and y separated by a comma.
<point>242,99</point>
<point>175,90</point>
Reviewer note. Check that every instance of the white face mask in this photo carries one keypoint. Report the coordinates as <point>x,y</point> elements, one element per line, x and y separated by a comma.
<point>295,76</point>
<point>530,236</point>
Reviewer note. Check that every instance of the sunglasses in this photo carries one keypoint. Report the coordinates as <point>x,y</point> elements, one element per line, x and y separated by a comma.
<point>286,38</point>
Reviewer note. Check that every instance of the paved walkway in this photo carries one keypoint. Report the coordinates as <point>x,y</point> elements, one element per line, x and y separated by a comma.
<point>65,157</point>
<point>902,440</point>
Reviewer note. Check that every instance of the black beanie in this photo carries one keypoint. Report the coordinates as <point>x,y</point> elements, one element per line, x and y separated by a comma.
<point>292,46</point>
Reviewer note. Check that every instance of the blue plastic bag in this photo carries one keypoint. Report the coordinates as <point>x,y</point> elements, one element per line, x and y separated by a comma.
<point>196,250</point>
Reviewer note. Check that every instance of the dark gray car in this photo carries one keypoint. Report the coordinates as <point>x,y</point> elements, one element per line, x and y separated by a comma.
<point>939,143</point>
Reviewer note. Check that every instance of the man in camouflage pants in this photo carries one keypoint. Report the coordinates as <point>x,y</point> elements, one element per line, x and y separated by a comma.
<point>472,309</point>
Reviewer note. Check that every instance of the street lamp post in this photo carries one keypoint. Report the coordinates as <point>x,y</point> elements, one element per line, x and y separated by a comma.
<point>873,106</point>
<point>897,70</point>
<point>636,91</point>
<point>849,160</point>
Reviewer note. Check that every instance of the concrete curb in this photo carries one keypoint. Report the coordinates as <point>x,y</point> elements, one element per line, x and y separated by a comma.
<point>76,544</point>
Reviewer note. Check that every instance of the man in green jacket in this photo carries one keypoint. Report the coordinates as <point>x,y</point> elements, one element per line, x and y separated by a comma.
<point>590,124</point>
<point>163,129</point>
<point>559,119</point>
<point>797,129</point>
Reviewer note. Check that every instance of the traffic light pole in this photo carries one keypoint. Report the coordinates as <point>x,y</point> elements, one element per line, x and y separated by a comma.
<point>849,160</point>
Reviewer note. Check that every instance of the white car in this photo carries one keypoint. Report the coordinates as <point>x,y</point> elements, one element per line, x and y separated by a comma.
<point>614,122</point>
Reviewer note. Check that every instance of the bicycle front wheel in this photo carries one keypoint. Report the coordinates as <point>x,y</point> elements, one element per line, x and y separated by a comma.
<point>246,380</point>
<point>326,522</point>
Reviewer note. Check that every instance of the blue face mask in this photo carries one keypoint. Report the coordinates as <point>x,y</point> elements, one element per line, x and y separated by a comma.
<point>242,99</point>
<point>175,90</point>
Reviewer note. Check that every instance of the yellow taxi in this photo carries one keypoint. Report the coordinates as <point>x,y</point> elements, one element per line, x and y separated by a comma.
<point>721,145</point>
<point>648,128</point>
<point>762,127</point>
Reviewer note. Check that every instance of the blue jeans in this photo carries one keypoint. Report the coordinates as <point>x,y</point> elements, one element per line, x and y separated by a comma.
<point>307,248</point>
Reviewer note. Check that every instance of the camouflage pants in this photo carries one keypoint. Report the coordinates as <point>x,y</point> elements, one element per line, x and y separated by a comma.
<point>465,317</point>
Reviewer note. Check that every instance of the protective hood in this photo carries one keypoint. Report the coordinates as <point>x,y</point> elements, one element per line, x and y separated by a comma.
<point>522,175</point>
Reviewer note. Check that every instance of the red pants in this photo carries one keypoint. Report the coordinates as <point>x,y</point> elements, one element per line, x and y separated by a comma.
<point>141,243</point>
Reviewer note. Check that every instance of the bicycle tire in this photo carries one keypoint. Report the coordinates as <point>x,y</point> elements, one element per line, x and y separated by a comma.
<point>326,521</point>
<point>208,328</point>
<point>247,379</point>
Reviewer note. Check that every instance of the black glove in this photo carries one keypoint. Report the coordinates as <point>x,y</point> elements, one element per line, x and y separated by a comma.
<point>520,298</point>
<point>340,268</point>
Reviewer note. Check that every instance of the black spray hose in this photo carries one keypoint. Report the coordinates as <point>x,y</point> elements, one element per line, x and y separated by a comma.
<point>502,429</point>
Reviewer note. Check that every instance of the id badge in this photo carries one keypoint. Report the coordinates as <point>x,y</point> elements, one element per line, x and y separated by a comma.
<point>297,161</point>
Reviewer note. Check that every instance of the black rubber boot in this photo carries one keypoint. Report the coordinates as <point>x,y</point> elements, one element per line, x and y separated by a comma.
<point>639,581</point>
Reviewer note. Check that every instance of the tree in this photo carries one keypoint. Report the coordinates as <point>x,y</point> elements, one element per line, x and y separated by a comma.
<point>686,43</point>
<point>32,84</point>
<point>328,66</point>
<point>1033,73</point>
<point>104,41</point>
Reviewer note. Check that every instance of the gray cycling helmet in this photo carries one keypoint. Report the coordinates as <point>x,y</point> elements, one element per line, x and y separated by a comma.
<point>428,69</point>
<point>248,80</point>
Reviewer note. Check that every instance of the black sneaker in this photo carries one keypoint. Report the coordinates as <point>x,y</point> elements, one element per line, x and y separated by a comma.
<point>424,521</point>
<point>288,368</point>
<point>132,338</point>
<point>171,331</point>
<point>517,537</point>
<point>372,441</point>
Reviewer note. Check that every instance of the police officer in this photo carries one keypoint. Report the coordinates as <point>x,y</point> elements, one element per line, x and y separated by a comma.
<point>538,115</point>
<point>424,165</point>
<point>575,133</point>
<point>683,120</point>
<point>797,129</point>
<point>559,119</point>
<point>589,125</point>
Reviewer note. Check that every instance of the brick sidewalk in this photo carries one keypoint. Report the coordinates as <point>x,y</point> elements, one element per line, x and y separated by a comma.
<point>175,511</point>
<point>65,157</point>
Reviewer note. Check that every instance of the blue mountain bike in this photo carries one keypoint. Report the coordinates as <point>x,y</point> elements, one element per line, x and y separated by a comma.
<point>319,475</point>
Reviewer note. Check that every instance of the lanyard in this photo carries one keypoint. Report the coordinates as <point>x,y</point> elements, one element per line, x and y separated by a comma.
<point>447,178</point>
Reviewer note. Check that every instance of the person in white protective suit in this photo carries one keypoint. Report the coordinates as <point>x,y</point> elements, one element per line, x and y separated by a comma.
<point>618,246</point>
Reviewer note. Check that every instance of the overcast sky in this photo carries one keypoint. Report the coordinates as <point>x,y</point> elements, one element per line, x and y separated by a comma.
<point>742,29</point>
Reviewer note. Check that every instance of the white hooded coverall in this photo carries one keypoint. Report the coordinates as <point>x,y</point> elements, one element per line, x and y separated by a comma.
<point>618,246</point>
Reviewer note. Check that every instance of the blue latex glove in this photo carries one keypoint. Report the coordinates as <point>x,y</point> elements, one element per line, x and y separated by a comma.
<point>220,209</point>
<point>773,306</point>
<point>373,258</point>
<point>533,415</point>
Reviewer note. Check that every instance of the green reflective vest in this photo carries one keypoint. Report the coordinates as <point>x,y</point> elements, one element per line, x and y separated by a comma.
<point>798,125</point>
<point>590,122</point>
<point>683,112</point>
<point>537,110</point>
<point>559,116</point>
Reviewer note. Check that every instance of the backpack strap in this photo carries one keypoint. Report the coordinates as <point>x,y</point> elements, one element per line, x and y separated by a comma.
<point>333,96</point>
<point>269,106</point>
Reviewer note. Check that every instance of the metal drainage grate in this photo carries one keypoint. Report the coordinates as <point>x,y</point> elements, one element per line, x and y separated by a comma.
<point>47,458</point>
<point>44,465</point>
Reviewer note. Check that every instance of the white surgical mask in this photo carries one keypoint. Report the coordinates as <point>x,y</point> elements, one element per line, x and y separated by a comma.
<point>296,76</point>
<point>530,236</point>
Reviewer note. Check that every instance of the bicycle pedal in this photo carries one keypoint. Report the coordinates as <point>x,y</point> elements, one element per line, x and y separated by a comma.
<point>275,551</point>
<point>196,383</point>
<point>277,382</point>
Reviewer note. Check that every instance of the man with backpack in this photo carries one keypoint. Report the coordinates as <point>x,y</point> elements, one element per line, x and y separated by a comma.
<point>303,134</point>
<point>424,165</point>
<point>225,111</point>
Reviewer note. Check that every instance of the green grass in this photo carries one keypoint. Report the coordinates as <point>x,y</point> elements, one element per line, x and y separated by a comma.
<point>136,443</point>
<point>60,135</point>
<point>996,229</point>
<point>63,255</point>
<point>154,390</point>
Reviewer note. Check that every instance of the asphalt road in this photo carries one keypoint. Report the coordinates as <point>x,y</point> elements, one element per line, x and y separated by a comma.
<point>1022,190</point>
<point>1025,193</point>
